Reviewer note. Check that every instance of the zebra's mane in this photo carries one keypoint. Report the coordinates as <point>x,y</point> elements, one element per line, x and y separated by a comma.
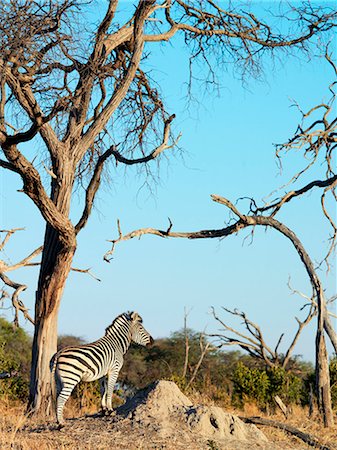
<point>128,316</point>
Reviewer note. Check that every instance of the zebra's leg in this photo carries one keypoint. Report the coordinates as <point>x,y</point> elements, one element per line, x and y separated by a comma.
<point>103,391</point>
<point>112,378</point>
<point>64,394</point>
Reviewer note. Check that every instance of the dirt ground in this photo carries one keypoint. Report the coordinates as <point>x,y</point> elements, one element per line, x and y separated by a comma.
<point>159,417</point>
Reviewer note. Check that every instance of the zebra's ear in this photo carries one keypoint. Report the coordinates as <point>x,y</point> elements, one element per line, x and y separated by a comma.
<point>134,316</point>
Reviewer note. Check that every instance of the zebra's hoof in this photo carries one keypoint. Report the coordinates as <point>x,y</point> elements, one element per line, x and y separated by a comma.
<point>60,426</point>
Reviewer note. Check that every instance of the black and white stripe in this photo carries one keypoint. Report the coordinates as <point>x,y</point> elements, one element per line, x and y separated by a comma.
<point>102,358</point>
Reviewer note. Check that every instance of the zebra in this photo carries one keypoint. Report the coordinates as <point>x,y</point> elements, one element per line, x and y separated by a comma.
<point>101,359</point>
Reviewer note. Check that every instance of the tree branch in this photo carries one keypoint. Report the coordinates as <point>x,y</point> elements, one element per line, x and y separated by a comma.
<point>32,186</point>
<point>275,207</point>
<point>16,302</point>
<point>155,153</point>
<point>89,136</point>
<point>93,188</point>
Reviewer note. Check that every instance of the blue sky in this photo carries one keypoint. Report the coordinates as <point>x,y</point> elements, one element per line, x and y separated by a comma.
<point>228,150</point>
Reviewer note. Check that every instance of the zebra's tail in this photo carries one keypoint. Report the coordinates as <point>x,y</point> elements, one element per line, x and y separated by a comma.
<point>52,365</point>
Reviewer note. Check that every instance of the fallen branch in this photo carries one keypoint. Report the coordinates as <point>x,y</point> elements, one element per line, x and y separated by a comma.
<point>305,437</point>
<point>11,374</point>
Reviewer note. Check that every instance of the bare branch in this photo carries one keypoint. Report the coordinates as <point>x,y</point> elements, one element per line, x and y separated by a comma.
<point>156,152</point>
<point>255,346</point>
<point>204,349</point>
<point>187,347</point>
<point>88,271</point>
<point>16,302</point>
<point>93,188</point>
<point>9,233</point>
<point>33,187</point>
<point>275,207</point>
<point>140,16</point>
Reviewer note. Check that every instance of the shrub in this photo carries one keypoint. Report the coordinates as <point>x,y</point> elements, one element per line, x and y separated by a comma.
<point>15,354</point>
<point>261,385</point>
<point>250,384</point>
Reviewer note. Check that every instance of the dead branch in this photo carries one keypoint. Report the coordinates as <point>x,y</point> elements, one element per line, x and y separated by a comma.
<point>282,406</point>
<point>324,323</point>
<point>203,351</point>
<point>316,137</point>
<point>88,271</point>
<point>305,437</point>
<point>16,302</point>
<point>156,152</point>
<point>18,288</point>
<point>11,374</point>
<point>187,347</point>
<point>254,343</point>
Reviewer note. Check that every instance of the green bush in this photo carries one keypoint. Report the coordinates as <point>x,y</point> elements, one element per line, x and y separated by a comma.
<point>15,356</point>
<point>250,384</point>
<point>261,385</point>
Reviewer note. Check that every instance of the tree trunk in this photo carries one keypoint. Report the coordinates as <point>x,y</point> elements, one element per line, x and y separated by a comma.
<point>322,361</point>
<point>322,371</point>
<point>56,262</point>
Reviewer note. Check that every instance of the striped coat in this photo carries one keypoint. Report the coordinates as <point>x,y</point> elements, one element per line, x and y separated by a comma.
<point>101,359</point>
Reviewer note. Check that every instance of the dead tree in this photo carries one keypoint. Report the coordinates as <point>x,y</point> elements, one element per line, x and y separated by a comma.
<point>252,220</point>
<point>68,88</point>
<point>204,349</point>
<point>318,140</point>
<point>253,341</point>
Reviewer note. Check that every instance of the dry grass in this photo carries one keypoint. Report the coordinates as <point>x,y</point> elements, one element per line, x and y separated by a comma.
<point>19,432</point>
<point>15,425</point>
<point>299,418</point>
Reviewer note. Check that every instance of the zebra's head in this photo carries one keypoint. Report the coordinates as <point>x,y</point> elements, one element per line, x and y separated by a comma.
<point>138,333</point>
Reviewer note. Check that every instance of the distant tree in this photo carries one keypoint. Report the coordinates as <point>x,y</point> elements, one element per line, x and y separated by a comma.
<point>68,340</point>
<point>252,339</point>
<point>166,359</point>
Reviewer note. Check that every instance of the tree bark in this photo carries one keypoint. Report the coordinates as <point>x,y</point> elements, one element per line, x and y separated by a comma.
<point>55,266</point>
<point>323,380</point>
<point>58,251</point>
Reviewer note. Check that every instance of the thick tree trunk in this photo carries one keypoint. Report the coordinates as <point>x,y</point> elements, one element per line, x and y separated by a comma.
<point>44,346</point>
<point>55,266</point>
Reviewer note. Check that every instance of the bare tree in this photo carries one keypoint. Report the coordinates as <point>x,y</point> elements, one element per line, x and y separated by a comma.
<point>317,137</point>
<point>75,91</point>
<point>253,220</point>
<point>187,345</point>
<point>254,342</point>
<point>204,348</point>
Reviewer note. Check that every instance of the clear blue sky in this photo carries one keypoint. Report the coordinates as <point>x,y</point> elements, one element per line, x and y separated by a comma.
<point>228,150</point>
